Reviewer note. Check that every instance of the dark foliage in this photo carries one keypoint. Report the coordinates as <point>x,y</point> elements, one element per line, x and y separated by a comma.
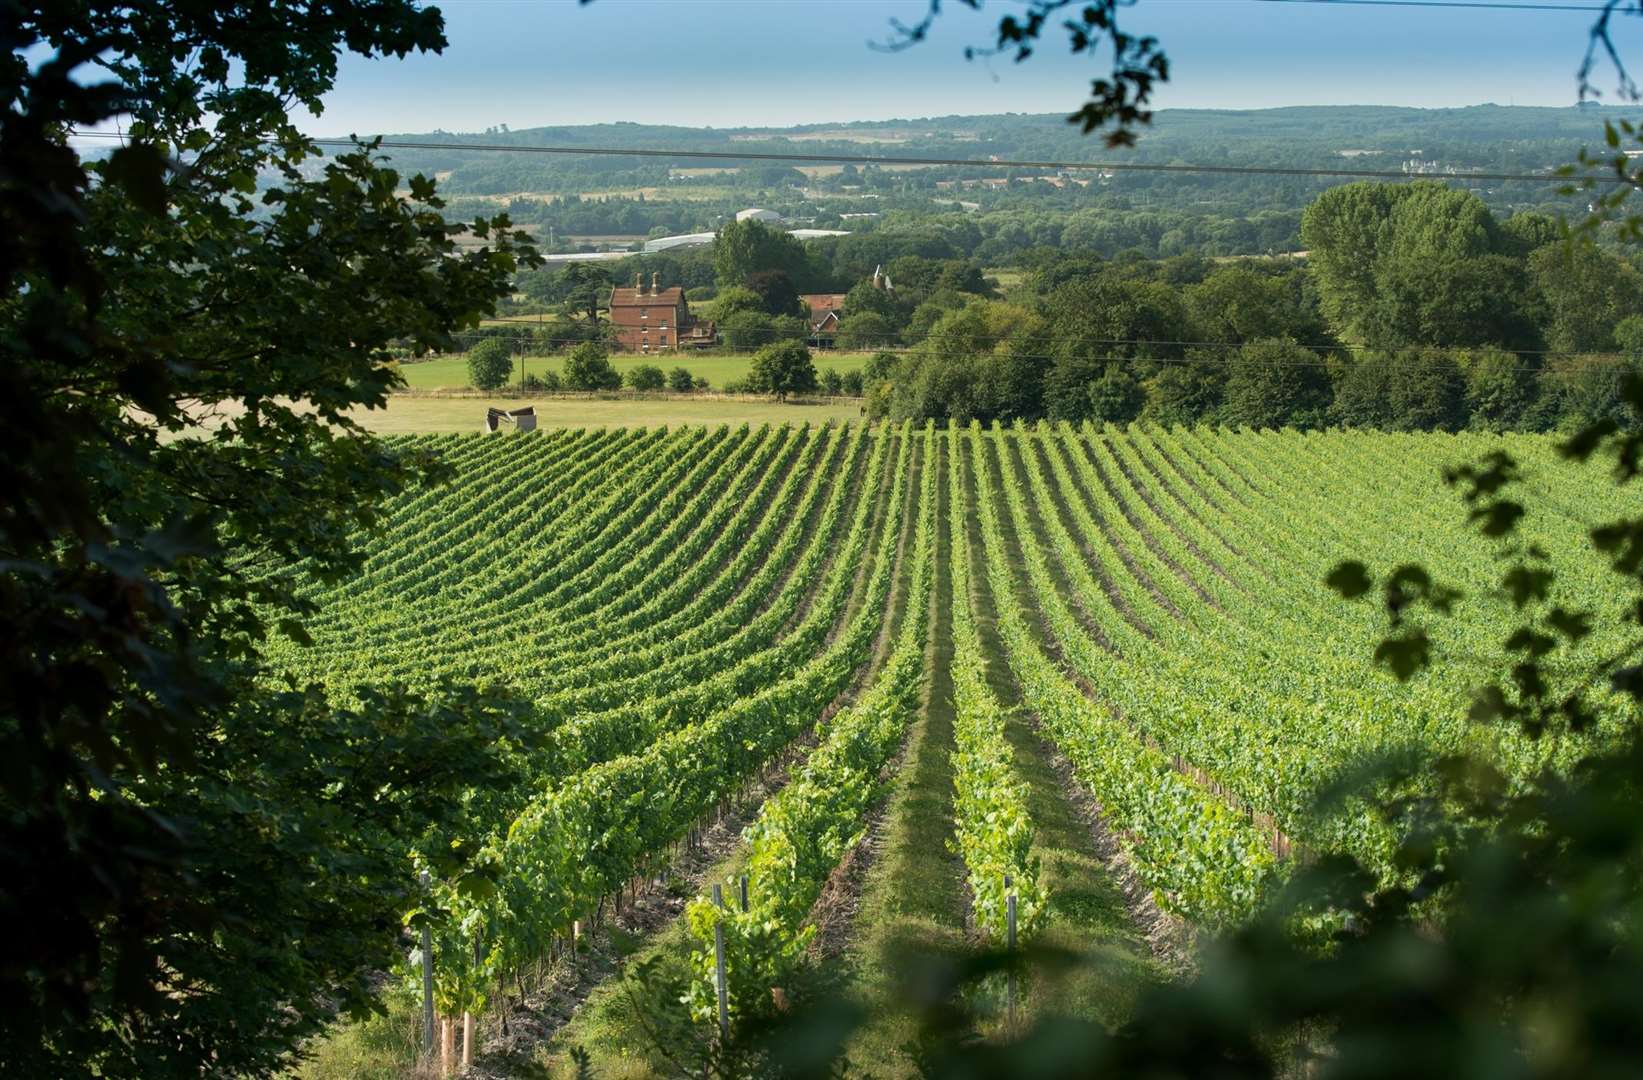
<point>208,862</point>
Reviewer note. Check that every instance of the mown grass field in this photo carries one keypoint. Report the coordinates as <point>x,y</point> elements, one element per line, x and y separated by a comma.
<point>407,415</point>
<point>451,372</point>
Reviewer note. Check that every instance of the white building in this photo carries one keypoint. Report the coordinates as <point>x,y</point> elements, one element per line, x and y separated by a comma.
<point>753,213</point>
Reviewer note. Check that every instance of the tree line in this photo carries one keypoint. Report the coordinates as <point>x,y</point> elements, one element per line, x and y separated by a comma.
<point>1416,309</point>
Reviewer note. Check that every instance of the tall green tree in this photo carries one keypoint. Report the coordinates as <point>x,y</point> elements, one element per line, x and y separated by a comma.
<point>1275,383</point>
<point>209,860</point>
<point>585,285</point>
<point>1415,264</point>
<point>775,289</point>
<point>745,248</point>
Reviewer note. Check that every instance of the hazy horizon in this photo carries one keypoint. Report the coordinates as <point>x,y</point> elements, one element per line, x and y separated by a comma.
<point>831,122</point>
<point>781,63</point>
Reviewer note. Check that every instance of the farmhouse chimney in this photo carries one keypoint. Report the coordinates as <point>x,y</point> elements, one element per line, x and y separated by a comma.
<point>655,282</point>
<point>639,283</point>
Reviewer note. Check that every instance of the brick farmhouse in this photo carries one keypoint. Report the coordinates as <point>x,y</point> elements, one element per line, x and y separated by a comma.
<point>651,319</point>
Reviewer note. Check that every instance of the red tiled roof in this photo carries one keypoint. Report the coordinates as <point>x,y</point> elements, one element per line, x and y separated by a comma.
<point>823,302</point>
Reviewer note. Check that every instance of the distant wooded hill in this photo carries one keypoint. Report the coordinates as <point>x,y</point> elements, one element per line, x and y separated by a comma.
<point>1489,137</point>
<point>993,213</point>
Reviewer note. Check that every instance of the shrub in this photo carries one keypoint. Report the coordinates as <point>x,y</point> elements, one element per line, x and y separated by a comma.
<point>782,369</point>
<point>646,377</point>
<point>489,364</point>
<point>680,381</point>
<point>588,368</point>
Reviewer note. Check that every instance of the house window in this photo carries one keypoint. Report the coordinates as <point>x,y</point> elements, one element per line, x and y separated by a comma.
<point>644,313</point>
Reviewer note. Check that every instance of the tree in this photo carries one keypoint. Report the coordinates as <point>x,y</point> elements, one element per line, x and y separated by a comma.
<point>1526,231</point>
<point>832,383</point>
<point>745,248</point>
<point>1407,264</point>
<point>746,330</point>
<point>863,298</point>
<point>931,309</point>
<point>1451,301</point>
<point>1116,397</point>
<point>788,328</point>
<point>647,377</point>
<point>1237,304</point>
<point>1587,293</point>
<point>1187,393</point>
<point>1411,390</point>
<point>1275,383</point>
<point>1363,395</point>
<point>1628,337</point>
<point>1095,318</point>
<point>865,330</point>
<point>1428,392</point>
<point>1581,391</point>
<point>211,862</point>
<point>964,277</point>
<point>775,290</point>
<point>588,367</point>
<point>679,380</point>
<point>782,369</point>
<point>490,362</point>
<point>853,384</point>
<point>1500,390</point>
<point>584,284</point>
<point>734,300</point>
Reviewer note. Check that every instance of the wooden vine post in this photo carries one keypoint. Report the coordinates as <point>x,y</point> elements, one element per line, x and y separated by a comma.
<point>1009,910</point>
<point>427,984</point>
<point>719,967</point>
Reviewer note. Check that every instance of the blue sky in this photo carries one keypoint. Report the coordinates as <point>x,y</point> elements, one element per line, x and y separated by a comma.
<point>731,63</point>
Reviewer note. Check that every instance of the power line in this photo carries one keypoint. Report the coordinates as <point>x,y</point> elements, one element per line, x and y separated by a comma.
<point>973,163</point>
<point>1488,5</point>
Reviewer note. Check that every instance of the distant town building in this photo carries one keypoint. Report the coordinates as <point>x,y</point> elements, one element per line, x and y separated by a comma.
<point>687,240</point>
<point>753,213</point>
<point>651,319</point>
